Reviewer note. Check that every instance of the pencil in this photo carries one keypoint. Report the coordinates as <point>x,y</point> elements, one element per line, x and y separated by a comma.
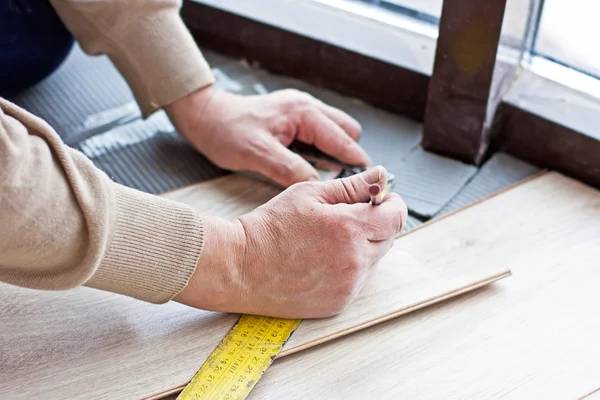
<point>377,195</point>
<point>379,190</point>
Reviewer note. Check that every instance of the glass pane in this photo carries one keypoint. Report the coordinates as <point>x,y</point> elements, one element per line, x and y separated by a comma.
<point>515,22</point>
<point>513,30</point>
<point>569,32</point>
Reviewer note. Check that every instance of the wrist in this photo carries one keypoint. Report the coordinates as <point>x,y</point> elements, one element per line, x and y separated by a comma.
<point>188,112</point>
<point>217,282</point>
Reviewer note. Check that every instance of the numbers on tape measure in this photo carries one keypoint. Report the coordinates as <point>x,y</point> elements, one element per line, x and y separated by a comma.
<point>238,362</point>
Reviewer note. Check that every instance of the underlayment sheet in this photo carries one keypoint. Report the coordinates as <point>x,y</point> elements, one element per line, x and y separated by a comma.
<point>83,343</point>
<point>500,171</point>
<point>89,104</point>
<point>87,95</point>
<point>386,137</point>
<point>149,156</point>
<point>426,181</point>
<point>412,222</point>
<point>75,97</point>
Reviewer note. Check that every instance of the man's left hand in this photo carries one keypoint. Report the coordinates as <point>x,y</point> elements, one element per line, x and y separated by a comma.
<point>252,132</point>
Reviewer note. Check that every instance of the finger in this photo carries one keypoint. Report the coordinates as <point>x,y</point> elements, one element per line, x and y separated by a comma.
<point>346,122</point>
<point>382,222</point>
<point>283,166</point>
<point>317,129</point>
<point>387,219</point>
<point>353,189</point>
<point>380,188</point>
<point>378,250</point>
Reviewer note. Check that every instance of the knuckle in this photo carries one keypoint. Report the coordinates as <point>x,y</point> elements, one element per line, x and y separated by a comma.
<point>351,188</point>
<point>347,143</point>
<point>308,111</point>
<point>285,170</point>
<point>257,147</point>
<point>352,267</point>
<point>349,232</point>
<point>357,129</point>
<point>303,97</point>
<point>290,92</point>
<point>303,190</point>
<point>295,97</point>
<point>300,188</point>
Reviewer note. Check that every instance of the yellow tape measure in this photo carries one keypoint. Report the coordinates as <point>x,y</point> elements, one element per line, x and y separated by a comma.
<point>238,362</point>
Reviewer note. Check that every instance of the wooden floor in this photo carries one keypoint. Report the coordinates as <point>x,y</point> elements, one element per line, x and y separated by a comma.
<point>90,344</point>
<point>531,336</point>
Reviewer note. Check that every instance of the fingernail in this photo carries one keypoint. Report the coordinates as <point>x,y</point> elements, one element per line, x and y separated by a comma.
<point>374,190</point>
<point>375,174</point>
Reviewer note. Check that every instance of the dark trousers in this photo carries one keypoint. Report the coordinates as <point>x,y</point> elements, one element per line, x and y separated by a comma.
<point>33,43</point>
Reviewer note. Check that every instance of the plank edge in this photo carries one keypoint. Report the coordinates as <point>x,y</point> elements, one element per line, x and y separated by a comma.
<point>284,353</point>
<point>526,180</point>
<point>342,333</point>
<point>434,300</point>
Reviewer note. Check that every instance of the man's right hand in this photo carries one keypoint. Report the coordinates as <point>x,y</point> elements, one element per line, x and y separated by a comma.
<point>304,254</point>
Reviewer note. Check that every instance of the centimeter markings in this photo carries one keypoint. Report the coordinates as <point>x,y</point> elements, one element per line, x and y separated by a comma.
<point>239,361</point>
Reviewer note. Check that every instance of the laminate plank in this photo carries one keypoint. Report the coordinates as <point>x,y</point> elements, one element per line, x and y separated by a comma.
<point>534,336</point>
<point>85,343</point>
<point>594,395</point>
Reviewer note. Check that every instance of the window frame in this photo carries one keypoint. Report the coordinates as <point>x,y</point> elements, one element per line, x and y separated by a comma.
<point>355,56</point>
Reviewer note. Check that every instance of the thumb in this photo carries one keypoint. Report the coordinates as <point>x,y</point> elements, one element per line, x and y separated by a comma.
<point>285,167</point>
<point>356,188</point>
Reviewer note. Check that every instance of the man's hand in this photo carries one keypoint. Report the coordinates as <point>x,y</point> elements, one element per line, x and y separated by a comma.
<point>304,254</point>
<point>252,132</point>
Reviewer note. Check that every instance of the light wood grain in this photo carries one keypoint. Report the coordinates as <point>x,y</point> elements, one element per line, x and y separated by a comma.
<point>227,197</point>
<point>533,336</point>
<point>594,395</point>
<point>89,344</point>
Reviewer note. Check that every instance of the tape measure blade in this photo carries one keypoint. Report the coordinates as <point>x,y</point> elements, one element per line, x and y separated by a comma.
<point>240,359</point>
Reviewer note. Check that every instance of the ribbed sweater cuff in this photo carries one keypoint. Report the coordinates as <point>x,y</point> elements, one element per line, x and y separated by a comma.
<point>154,249</point>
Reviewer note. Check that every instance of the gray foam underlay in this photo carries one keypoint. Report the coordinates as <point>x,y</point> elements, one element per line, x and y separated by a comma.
<point>149,156</point>
<point>412,222</point>
<point>500,171</point>
<point>216,59</point>
<point>228,81</point>
<point>81,87</point>
<point>386,137</point>
<point>90,105</point>
<point>426,181</point>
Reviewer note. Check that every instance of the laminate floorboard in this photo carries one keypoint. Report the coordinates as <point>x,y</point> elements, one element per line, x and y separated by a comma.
<point>533,336</point>
<point>84,343</point>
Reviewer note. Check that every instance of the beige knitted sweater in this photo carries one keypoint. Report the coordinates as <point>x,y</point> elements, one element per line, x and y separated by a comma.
<point>64,223</point>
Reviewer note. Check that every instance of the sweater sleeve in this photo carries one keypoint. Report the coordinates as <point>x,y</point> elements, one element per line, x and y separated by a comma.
<point>64,223</point>
<point>146,40</point>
